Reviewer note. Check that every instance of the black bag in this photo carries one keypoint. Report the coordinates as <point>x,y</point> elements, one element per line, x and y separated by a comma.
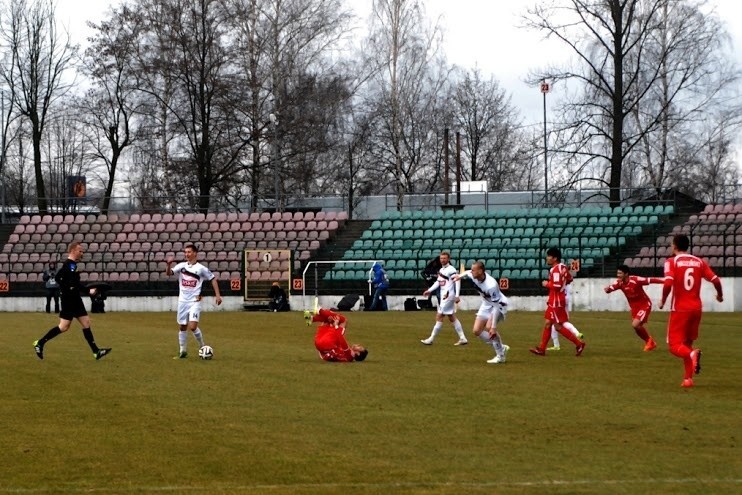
<point>425,304</point>
<point>410,304</point>
<point>348,302</point>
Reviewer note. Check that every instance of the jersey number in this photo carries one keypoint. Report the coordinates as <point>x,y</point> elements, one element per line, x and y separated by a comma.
<point>689,280</point>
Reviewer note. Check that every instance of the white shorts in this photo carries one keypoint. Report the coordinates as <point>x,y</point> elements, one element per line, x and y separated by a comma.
<point>492,311</point>
<point>447,306</point>
<point>188,311</point>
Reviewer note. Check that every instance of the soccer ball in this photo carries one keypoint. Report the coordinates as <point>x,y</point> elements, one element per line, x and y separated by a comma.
<point>206,352</point>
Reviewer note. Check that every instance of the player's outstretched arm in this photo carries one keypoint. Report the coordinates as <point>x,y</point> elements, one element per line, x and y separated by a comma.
<point>217,295</point>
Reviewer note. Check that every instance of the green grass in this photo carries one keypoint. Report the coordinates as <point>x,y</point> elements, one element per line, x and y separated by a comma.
<point>267,416</point>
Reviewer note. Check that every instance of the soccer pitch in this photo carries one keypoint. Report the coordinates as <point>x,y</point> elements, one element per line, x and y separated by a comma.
<point>267,416</point>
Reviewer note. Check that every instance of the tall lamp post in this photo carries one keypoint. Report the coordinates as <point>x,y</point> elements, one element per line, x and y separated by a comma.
<point>545,87</point>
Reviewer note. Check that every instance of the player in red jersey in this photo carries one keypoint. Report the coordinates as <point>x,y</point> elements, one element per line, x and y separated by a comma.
<point>633,288</point>
<point>556,305</point>
<point>683,274</point>
<point>330,337</point>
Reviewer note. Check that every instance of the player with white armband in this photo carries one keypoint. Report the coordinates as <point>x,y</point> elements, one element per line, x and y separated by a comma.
<point>492,310</point>
<point>449,296</point>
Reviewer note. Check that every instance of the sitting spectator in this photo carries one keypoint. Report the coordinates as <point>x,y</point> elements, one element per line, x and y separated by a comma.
<point>279,301</point>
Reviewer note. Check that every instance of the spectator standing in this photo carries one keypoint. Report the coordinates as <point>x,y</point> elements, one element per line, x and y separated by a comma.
<point>49,276</point>
<point>380,284</point>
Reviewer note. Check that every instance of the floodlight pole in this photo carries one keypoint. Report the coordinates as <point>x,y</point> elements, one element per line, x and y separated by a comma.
<point>545,87</point>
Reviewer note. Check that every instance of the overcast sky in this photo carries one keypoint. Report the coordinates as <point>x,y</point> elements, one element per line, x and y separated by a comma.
<point>482,33</point>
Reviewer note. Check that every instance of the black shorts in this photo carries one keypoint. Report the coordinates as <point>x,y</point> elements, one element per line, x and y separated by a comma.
<point>72,308</point>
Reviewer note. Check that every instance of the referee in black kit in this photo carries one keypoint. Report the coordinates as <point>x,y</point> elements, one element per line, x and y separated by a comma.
<point>72,306</point>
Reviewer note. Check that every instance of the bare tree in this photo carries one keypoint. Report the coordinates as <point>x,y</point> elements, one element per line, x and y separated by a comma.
<point>190,78</point>
<point>410,75</point>
<point>294,90</point>
<point>691,96</point>
<point>492,141</point>
<point>110,106</point>
<point>40,56</point>
<point>622,64</point>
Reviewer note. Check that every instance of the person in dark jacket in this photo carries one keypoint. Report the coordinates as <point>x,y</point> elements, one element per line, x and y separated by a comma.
<point>279,299</point>
<point>49,276</point>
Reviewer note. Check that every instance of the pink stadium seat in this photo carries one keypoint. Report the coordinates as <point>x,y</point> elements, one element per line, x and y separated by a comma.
<point>199,217</point>
<point>342,216</point>
<point>166,218</point>
<point>36,219</point>
<point>256,226</point>
<point>320,215</point>
<point>278,225</point>
<point>298,215</point>
<point>333,225</point>
<point>254,216</point>
<point>311,225</point>
<point>270,236</point>
<point>265,216</point>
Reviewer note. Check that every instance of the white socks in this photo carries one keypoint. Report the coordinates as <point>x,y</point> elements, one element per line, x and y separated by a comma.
<point>459,330</point>
<point>182,339</point>
<point>554,336</point>
<point>569,326</point>
<point>436,329</point>
<point>199,337</point>
<point>497,344</point>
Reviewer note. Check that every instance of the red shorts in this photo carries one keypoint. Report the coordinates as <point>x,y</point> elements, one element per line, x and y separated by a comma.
<point>682,327</point>
<point>641,313</point>
<point>556,315</point>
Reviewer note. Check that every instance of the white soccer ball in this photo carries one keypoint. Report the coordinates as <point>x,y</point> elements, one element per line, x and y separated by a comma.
<point>206,352</point>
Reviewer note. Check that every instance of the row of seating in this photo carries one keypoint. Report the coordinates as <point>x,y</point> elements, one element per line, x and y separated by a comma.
<point>519,237</point>
<point>138,244</point>
<point>657,263</point>
<point>534,212</point>
<point>715,234</point>
<point>128,229</point>
<point>210,217</point>
<point>503,226</point>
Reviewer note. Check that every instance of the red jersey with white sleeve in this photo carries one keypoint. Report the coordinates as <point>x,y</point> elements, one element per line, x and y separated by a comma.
<point>683,274</point>
<point>633,289</point>
<point>559,278</point>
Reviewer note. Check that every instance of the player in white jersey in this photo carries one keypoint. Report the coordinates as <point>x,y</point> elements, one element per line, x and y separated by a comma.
<point>448,296</point>
<point>191,276</point>
<point>492,310</point>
